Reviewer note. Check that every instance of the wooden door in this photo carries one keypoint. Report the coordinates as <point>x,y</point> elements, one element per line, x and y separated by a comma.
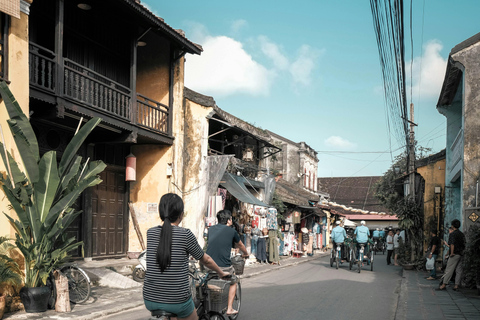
<point>109,214</point>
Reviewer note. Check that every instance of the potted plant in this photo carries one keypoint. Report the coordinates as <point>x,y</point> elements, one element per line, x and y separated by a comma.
<point>10,273</point>
<point>42,198</point>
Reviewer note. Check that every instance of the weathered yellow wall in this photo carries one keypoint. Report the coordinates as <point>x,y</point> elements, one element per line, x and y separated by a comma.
<point>19,76</point>
<point>153,72</point>
<point>195,165</point>
<point>152,182</point>
<point>434,175</point>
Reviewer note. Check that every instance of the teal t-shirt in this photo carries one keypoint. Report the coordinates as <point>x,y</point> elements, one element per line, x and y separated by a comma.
<point>362,234</point>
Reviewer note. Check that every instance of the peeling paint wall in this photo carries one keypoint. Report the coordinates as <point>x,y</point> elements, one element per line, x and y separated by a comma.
<point>153,160</point>
<point>433,208</point>
<point>470,59</point>
<point>195,165</point>
<point>19,76</point>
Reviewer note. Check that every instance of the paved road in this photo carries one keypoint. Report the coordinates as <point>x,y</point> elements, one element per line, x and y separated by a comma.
<point>313,290</point>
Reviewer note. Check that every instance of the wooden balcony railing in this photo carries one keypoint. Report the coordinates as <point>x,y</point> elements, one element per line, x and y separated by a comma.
<point>42,67</point>
<point>151,114</point>
<point>95,91</point>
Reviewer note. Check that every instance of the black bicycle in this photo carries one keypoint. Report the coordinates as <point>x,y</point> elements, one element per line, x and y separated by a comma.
<point>335,254</point>
<point>79,286</point>
<point>210,296</point>
<point>361,257</point>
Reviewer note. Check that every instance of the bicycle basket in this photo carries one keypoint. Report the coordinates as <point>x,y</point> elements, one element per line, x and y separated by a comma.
<point>238,264</point>
<point>217,291</point>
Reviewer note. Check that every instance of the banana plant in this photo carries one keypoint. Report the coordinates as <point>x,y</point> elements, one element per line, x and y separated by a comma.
<point>43,195</point>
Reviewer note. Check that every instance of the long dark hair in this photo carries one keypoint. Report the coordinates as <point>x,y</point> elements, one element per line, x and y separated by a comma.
<point>170,209</point>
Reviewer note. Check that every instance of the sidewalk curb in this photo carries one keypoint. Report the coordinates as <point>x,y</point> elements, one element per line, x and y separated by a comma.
<point>278,267</point>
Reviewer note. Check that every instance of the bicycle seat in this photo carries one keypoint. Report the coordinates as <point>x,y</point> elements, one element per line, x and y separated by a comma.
<point>162,313</point>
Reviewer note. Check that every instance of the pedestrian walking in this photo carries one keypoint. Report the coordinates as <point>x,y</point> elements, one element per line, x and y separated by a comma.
<point>389,247</point>
<point>396,246</point>
<point>456,243</point>
<point>432,252</point>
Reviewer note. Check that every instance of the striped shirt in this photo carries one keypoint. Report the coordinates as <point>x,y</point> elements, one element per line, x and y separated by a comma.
<point>171,286</point>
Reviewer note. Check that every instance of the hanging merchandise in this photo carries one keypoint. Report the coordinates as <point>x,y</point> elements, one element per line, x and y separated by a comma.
<point>289,218</point>
<point>272,223</point>
<point>296,217</point>
<point>214,205</point>
<point>263,223</point>
<point>222,193</point>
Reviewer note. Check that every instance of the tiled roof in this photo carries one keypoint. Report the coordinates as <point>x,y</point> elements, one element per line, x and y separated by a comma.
<point>179,35</point>
<point>354,192</point>
<point>293,194</point>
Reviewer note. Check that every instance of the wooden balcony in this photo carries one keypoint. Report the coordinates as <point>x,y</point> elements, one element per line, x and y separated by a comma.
<point>92,90</point>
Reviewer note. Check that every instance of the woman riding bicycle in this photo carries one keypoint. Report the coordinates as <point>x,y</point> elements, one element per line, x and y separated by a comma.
<point>166,285</point>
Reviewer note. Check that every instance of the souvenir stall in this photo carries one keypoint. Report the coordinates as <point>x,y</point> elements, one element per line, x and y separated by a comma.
<point>290,242</point>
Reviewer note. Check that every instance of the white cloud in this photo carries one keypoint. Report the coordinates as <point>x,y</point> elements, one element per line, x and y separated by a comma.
<point>273,51</point>
<point>301,69</point>
<point>225,68</point>
<point>428,71</point>
<point>339,143</point>
<point>239,24</point>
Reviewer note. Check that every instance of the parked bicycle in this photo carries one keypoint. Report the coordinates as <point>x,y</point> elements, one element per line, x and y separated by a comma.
<point>210,296</point>
<point>79,285</point>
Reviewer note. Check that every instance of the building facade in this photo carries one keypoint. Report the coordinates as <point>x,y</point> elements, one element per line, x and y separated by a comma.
<point>458,102</point>
<point>115,60</point>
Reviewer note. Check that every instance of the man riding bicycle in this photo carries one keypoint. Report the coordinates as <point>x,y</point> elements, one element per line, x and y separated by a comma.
<point>362,234</point>
<point>221,238</point>
<point>338,237</point>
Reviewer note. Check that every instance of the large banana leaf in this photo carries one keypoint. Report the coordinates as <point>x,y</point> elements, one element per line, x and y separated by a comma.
<point>47,184</point>
<point>22,132</point>
<point>75,144</point>
<point>19,178</point>
<point>68,200</point>
<point>19,209</point>
<point>94,168</point>
<point>69,175</point>
<point>43,197</point>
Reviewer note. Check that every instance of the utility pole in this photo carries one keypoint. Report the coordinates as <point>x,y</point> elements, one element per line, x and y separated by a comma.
<point>411,160</point>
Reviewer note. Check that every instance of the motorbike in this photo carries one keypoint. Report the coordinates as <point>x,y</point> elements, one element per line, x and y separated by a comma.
<point>140,269</point>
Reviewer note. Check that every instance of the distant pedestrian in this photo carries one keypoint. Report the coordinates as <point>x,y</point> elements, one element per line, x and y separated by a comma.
<point>389,247</point>
<point>432,252</point>
<point>456,243</point>
<point>396,246</point>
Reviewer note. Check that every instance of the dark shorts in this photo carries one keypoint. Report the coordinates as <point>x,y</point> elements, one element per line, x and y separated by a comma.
<point>182,310</point>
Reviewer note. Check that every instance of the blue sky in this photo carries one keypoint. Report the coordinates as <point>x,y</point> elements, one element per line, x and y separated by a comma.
<point>309,70</point>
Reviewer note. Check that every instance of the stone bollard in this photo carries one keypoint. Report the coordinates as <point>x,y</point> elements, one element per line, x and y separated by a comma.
<point>63,298</point>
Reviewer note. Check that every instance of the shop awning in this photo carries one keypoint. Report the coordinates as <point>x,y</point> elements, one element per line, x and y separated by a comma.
<point>239,191</point>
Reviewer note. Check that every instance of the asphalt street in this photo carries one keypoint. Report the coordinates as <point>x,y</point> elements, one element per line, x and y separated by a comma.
<point>314,290</point>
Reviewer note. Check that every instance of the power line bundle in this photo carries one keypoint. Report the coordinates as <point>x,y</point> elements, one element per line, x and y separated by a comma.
<point>389,30</point>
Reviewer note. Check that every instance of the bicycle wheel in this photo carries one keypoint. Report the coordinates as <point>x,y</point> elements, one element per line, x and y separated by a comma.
<point>78,284</point>
<point>371,262</point>
<point>138,274</point>
<point>337,259</point>
<point>350,262</point>
<point>360,260</point>
<point>216,316</point>
<point>331,258</point>
<point>237,302</point>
